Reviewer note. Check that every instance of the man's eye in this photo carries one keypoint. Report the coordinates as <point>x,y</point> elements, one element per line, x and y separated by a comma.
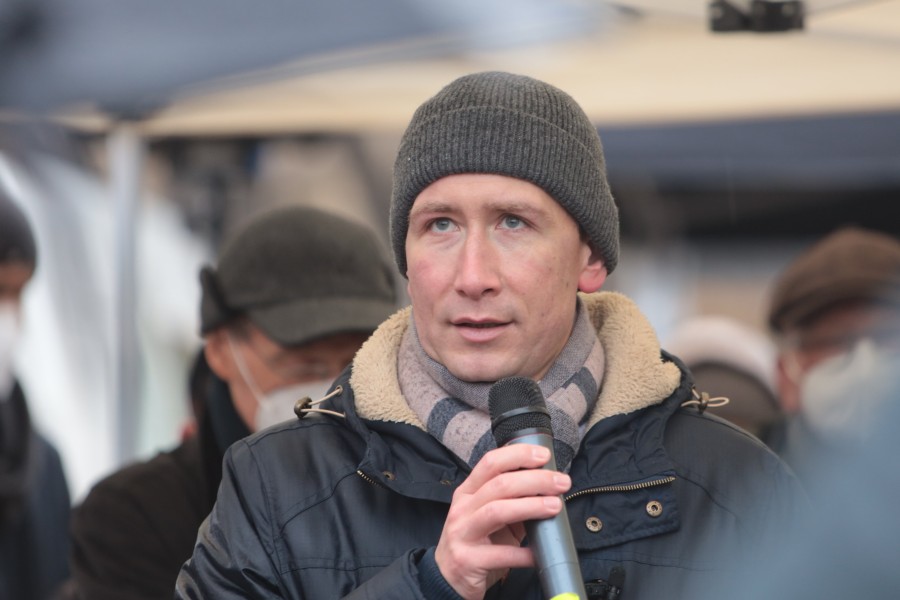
<point>441,225</point>
<point>512,222</point>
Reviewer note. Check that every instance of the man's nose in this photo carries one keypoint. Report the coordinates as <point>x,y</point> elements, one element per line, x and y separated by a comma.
<point>477,268</point>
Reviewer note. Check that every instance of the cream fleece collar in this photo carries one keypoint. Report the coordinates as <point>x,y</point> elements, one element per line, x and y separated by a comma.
<point>635,376</point>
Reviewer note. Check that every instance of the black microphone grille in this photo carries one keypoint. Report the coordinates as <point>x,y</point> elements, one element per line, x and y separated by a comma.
<point>521,397</point>
<point>511,393</point>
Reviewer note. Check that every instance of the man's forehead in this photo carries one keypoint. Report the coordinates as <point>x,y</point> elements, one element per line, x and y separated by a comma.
<point>442,205</point>
<point>851,319</point>
<point>339,347</point>
<point>485,192</point>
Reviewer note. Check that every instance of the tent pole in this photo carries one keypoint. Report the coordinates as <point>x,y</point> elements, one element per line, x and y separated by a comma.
<point>125,153</point>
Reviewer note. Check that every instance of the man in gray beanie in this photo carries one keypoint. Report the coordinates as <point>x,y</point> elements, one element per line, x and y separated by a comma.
<point>503,223</point>
<point>293,295</point>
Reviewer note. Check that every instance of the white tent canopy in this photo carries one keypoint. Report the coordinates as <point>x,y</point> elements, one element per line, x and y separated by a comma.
<point>645,65</point>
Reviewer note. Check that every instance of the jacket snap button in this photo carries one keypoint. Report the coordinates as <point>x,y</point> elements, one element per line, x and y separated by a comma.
<point>654,508</point>
<point>594,524</point>
<point>388,475</point>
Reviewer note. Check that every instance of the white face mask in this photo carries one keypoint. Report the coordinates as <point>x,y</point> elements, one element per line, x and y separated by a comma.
<point>842,396</point>
<point>278,405</point>
<point>9,336</point>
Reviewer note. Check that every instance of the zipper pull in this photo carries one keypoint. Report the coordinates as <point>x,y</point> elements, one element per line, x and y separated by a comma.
<point>607,590</point>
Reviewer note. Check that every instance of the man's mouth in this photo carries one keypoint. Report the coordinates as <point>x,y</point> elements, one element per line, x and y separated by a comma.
<point>479,324</point>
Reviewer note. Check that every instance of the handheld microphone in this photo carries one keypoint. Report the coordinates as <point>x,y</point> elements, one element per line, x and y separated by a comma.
<point>519,416</point>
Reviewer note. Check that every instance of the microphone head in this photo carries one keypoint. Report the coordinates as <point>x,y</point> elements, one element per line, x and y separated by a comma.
<point>516,404</point>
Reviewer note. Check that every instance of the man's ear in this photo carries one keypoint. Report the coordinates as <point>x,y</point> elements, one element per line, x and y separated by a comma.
<point>593,275</point>
<point>217,353</point>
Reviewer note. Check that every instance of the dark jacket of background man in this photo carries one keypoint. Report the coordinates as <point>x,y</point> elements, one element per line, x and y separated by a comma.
<point>34,495</point>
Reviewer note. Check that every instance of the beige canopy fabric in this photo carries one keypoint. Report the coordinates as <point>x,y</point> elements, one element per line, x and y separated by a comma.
<point>657,62</point>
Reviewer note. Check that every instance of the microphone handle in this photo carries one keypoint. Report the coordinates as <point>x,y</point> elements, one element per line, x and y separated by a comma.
<point>551,541</point>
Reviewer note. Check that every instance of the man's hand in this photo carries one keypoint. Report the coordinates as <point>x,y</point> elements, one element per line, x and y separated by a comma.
<point>481,538</point>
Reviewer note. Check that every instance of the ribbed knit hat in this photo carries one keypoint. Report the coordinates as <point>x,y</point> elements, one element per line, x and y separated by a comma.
<point>513,125</point>
<point>851,263</point>
<point>300,274</point>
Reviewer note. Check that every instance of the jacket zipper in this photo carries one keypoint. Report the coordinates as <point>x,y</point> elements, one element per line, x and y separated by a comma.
<point>629,487</point>
<point>370,480</point>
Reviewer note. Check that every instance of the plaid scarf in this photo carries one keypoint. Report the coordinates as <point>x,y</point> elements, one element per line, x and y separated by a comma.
<point>456,412</point>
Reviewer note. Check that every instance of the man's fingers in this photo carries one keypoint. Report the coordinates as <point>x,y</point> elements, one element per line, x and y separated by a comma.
<point>496,515</point>
<point>505,501</point>
<point>528,482</point>
<point>501,460</point>
<point>484,558</point>
<point>514,489</point>
<point>483,530</point>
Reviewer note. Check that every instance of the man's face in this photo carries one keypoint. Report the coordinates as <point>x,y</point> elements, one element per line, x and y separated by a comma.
<point>273,366</point>
<point>834,331</point>
<point>13,277</point>
<point>494,264</point>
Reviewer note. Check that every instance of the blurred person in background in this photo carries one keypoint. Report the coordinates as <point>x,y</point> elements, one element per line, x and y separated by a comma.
<point>836,313</point>
<point>34,495</point>
<point>294,294</point>
<point>733,360</point>
<point>504,225</point>
<point>847,543</point>
<point>200,378</point>
<point>836,309</point>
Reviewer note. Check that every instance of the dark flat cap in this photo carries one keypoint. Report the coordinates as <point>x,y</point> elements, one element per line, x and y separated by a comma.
<point>850,264</point>
<point>300,274</point>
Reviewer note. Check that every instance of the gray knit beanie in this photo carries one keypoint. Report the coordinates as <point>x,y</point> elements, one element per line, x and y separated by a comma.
<point>512,125</point>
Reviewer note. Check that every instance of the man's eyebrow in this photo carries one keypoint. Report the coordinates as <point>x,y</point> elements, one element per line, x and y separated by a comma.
<point>500,206</point>
<point>514,206</point>
<point>430,206</point>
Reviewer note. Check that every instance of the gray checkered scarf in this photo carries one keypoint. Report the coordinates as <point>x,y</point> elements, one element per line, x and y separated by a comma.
<point>456,412</point>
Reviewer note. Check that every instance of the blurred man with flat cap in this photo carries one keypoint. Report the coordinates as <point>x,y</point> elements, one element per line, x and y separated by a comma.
<point>34,495</point>
<point>294,294</point>
<point>836,313</point>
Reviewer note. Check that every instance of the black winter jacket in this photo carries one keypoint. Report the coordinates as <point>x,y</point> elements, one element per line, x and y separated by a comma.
<point>34,507</point>
<point>330,507</point>
<point>136,527</point>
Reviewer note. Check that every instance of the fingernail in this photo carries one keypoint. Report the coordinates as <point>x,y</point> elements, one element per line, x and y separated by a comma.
<point>562,480</point>
<point>552,501</point>
<point>540,453</point>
